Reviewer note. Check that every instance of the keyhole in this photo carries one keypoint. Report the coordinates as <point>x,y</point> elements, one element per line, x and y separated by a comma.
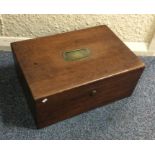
<point>93,92</point>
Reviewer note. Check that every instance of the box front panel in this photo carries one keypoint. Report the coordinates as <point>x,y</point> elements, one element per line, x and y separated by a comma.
<point>72,102</point>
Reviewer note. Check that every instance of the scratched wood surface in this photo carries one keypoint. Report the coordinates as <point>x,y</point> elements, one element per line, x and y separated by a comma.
<point>61,89</point>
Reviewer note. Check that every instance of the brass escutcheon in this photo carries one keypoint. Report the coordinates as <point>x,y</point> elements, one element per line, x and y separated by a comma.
<point>77,54</point>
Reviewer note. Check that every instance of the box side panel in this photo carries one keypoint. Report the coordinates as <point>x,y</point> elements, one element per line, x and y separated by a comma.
<point>70,103</point>
<point>25,87</point>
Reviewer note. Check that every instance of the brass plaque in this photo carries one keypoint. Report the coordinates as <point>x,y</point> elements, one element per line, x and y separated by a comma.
<point>77,54</point>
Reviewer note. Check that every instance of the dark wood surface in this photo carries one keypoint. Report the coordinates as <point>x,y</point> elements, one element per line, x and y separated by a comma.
<point>71,87</point>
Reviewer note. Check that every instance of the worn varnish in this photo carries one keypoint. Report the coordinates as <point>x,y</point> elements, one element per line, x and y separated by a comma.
<point>58,89</point>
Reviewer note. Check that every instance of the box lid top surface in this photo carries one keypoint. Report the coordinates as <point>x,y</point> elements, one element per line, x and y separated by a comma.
<point>47,72</point>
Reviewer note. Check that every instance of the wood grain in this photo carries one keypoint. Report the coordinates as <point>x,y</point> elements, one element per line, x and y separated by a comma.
<point>112,70</point>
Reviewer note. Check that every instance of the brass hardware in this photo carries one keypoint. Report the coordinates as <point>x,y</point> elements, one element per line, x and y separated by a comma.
<point>77,54</point>
<point>93,92</point>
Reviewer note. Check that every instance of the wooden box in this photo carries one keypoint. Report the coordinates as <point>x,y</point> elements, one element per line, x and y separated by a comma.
<point>66,74</point>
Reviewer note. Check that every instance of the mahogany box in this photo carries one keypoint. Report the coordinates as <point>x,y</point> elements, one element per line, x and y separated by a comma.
<point>66,74</point>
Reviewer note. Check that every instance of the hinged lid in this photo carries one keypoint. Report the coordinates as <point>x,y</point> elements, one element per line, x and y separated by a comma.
<point>57,63</point>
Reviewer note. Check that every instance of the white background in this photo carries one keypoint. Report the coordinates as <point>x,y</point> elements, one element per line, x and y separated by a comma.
<point>77,6</point>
